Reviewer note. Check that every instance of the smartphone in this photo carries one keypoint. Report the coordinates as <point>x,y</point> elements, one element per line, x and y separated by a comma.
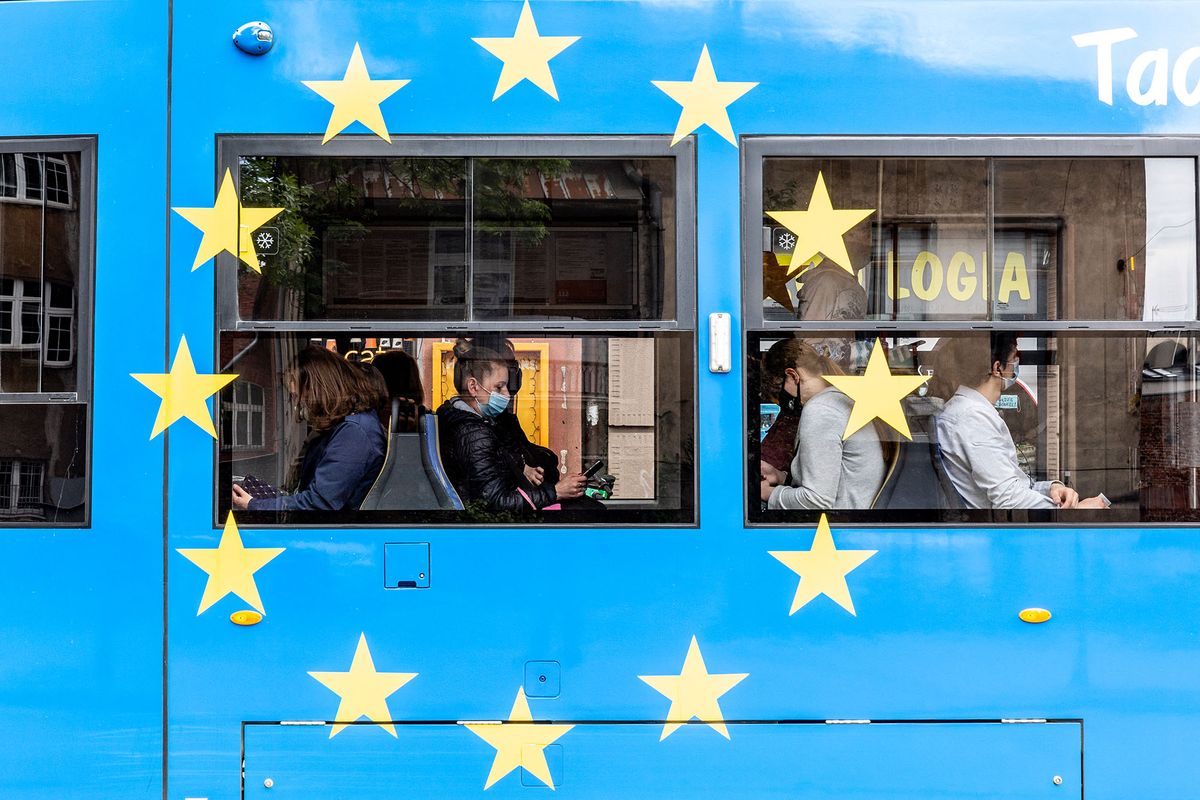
<point>594,468</point>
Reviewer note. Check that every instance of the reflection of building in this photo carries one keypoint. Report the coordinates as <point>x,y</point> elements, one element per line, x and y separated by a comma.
<point>42,462</point>
<point>39,271</point>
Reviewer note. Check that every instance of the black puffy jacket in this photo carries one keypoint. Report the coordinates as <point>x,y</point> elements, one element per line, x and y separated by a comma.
<point>483,465</point>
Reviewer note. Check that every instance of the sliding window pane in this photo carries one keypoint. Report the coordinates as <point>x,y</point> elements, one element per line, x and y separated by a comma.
<point>1113,417</point>
<point>43,463</point>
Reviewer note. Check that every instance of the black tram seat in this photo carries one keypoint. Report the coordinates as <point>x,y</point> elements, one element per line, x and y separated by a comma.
<point>916,478</point>
<point>400,485</point>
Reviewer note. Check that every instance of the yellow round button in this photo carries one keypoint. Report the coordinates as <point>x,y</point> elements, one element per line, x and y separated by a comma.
<point>246,617</point>
<point>1034,615</point>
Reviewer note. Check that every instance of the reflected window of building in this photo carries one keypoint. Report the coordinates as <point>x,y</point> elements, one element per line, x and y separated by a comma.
<point>1048,299</point>
<point>566,262</point>
<point>45,285</point>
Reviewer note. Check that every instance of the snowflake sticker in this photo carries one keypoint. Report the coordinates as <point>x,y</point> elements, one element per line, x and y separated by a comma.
<point>266,241</point>
<point>786,241</point>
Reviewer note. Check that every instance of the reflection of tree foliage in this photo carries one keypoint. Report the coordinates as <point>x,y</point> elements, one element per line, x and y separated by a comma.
<point>324,198</point>
<point>336,205</point>
<point>500,201</point>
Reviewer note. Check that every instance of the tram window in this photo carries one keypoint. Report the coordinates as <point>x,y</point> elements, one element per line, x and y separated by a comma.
<point>624,400</point>
<point>978,239</point>
<point>451,238</point>
<point>44,286</point>
<point>1114,416</point>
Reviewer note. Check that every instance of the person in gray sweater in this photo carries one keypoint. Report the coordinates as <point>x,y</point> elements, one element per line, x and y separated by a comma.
<point>826,472</point>
<point>977,448</point>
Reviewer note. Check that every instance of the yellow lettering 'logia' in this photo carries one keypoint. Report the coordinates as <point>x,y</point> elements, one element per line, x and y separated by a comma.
<point>962,277</point>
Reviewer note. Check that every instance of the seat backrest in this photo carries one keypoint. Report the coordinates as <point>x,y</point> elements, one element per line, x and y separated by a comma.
<point>917,479</point>
<point>400,485</point>
<point>435,471</point>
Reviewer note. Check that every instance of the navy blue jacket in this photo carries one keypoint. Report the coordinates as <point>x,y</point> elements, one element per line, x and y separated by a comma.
<point>338,470</point>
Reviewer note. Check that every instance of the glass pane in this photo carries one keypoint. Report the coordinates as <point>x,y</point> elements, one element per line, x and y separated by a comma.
<point>58,183</point>
<point>43,463</point>
<point>360,239</point>
<point>623,401</point>
<point>8,175</point>
<point>574,238</point>
<point>39,245</point>
<point>874,239</point>
<point>1002,416</point>
<point>1095,238</point>
<point>33,177</point>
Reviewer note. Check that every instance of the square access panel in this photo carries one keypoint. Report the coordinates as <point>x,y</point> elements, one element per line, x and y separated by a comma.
<point>406,565</point>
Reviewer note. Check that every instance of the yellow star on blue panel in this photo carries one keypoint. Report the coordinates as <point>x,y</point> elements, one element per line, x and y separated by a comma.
<point>363,690</point>
<point>526,55</point>
<point>694,692</point>
<point>519,742</point>
<point>227,226</point>
<point>183,391</point>
<point>230,567</point>
<point>356,98</point>
<point>705,100</point>
<point>822,569</point>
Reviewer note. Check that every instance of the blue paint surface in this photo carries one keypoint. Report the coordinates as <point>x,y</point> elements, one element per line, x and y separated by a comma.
<point>936,634</point>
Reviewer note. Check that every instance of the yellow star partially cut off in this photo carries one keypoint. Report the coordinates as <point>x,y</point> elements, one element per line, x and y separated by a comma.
<point>520,742</point>
<point>693,693</point>
<point>356,98</point>
<point>822,569</point>
<point>705,100</point>
<point>228,226</point>
<point>230,567</point>
<point>820,229</point>
<point>526,55</point>
<point>184,392</point>
<point>363,690</point>
<point>877,394</point>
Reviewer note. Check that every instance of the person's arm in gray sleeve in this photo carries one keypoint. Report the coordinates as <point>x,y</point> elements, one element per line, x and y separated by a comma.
<point>994,470</point>
<point>819,453</point>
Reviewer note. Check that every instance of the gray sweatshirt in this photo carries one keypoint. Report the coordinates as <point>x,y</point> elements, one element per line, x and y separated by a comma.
<point>828,473</point>
<point>981,459</point>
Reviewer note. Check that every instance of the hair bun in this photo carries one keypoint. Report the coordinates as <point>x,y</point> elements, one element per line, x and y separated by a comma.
<point>462,348</point>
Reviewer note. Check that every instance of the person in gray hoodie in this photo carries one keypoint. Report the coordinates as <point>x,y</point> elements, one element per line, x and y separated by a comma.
<point>826,472</point>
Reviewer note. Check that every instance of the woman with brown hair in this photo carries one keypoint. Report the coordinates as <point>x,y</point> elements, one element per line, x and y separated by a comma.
<point>826,472</point>
<point>340,401</point>
<point>481,460</point>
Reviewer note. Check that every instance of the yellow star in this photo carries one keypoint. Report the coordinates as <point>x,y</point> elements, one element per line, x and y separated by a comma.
<point>519,745</point>
<point>526,55</point>
<point>356,98</point>
<point>704,100</point>
<point>822,569</point>
<point>877,393</point>
<point>693,693</point>
<point>184,392</point>
<point>820,229</point>
<point>230,567</point>
<point>228,226</point>
<point>364,691</point>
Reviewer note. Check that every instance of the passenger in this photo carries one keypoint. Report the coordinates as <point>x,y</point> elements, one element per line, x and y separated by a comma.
<point>344,453</point>
<point>403,381</point>
<point>481,460</point>
<point>826,472</point>
<point>977,447</point>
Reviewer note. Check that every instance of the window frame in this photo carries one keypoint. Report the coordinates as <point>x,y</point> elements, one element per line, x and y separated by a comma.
<point>755,149</point>
<point>82,331</point>
<point>232,147</point>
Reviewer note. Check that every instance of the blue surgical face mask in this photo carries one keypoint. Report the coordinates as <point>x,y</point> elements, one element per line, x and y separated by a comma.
<point>496,405</point>
<point>1008,382</point>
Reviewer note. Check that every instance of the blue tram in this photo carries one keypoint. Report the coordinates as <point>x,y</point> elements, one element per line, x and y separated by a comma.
<point>621,398</point>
